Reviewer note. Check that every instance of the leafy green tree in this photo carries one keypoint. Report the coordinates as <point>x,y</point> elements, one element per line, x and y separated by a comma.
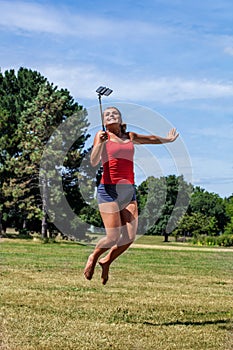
<point>229,206</point>
<point>3,173</point>
<point>229,211</point>
<point>196,224</point>
<point>88,178</point>
<point>228,230</point>
<point>91,215</point>
<point>158,206</point>
<point>209,204</point>
<point>151,195</point>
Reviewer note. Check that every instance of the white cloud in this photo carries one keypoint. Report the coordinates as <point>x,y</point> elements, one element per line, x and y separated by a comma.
<point>229,50</point>
<point>222,131</point>
<point>82,79</point>
<point>168,89</point>
<point>33,17</point>
<point>30,17</point>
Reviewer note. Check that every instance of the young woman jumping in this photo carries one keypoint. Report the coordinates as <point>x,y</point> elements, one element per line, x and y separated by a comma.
<point>116,192</point>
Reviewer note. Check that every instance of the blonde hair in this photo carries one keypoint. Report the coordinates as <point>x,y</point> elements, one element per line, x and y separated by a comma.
<point>123,125</point>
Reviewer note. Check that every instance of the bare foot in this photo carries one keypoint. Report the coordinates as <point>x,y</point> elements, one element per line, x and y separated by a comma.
<point>90,267</point>
<point>105,270</point>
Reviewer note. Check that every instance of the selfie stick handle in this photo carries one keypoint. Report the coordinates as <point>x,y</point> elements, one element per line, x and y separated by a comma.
<point>101,112</point>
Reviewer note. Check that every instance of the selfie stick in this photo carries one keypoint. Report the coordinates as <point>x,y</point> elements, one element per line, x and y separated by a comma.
<point>102,91</point>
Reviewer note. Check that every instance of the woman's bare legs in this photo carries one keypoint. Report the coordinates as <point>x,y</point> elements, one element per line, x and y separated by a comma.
<point>129,222</point>
<point>112,222</point>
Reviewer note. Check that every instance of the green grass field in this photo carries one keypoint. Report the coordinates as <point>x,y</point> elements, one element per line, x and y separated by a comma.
<point>155,299</point>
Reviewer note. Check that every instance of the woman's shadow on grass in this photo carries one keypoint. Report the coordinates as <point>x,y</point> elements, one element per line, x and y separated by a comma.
<point>192,323</point>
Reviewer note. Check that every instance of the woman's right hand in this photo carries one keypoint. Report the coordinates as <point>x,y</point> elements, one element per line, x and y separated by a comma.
<point>102,136</point>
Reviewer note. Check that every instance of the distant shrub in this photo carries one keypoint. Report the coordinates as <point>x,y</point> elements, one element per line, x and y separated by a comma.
<point>224,240</point>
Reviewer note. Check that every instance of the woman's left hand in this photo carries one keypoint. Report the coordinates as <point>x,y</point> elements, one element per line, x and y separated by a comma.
<point>172,135</point>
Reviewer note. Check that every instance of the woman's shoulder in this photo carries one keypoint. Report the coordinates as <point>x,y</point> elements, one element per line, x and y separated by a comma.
<point>127,136</point>
<point>131,135</point>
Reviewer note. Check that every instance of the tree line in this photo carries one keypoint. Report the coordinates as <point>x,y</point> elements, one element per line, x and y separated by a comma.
<point>208,218</point>
<point>31,110</point>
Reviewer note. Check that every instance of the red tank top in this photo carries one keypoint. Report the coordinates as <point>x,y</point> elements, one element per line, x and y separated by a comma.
<point>117,160</point>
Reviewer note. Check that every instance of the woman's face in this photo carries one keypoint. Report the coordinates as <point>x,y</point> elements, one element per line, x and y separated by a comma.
<point>112,116</point>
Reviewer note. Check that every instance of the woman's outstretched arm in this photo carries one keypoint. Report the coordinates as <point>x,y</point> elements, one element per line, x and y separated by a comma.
<point>153,139</point>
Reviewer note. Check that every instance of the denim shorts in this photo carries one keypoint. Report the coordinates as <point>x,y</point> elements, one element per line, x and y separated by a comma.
<point>123,194</point>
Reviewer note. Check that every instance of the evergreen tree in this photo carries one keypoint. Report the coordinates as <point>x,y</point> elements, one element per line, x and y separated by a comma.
<point>36,119</point>
<point>16,89</point>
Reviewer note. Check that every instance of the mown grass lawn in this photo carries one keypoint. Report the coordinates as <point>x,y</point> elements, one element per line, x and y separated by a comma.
<point>155,299</point>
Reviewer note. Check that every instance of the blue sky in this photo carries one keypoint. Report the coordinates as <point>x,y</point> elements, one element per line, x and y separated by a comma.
<point>173,57</point>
